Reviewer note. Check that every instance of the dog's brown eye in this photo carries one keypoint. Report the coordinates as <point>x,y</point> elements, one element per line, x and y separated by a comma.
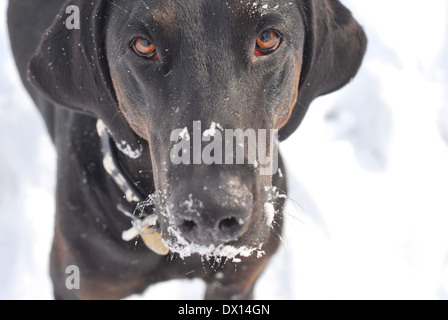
<point>267,42</point>
<point>144,48</point>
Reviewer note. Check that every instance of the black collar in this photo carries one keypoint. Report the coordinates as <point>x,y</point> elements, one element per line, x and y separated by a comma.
<point>113,167</point>
<point>141,223</point>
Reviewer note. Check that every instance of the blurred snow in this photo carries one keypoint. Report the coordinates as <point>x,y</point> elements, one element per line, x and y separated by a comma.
<point>27,168</point>
<point>442,72</point>
<point>368,174</point>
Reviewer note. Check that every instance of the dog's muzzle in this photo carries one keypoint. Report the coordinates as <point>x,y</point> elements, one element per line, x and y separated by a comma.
<point>208,213</point>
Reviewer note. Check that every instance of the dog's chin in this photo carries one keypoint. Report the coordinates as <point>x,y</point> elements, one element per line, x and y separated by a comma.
<point>234,250</point>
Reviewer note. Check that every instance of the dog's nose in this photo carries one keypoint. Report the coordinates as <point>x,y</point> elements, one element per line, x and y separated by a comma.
<point>210,215</point>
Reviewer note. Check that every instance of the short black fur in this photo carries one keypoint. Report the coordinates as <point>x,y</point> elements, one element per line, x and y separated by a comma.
<point>206,71</point>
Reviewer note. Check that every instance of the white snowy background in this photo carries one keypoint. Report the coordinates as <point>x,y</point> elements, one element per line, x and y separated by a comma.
<point>368,170</point>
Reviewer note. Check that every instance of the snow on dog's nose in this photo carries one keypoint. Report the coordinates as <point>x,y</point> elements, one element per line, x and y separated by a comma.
<point>211,214</point>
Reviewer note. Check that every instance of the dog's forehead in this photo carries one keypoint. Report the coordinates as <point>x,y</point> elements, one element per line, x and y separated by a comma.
<point>171,13</point>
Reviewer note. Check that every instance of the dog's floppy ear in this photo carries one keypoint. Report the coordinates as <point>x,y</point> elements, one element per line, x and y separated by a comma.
<point>335,45</point>
<point>70,67</point>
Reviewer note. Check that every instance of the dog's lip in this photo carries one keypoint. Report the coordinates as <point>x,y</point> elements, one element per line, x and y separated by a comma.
<point>230,250</point>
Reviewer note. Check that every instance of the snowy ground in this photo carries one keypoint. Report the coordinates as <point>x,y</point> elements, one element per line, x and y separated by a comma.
<point>368,215</point>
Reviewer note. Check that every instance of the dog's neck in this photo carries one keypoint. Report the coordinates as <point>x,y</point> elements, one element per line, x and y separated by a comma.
<point>117,169</point>
<point>124,166</point>
<point>114,168</point>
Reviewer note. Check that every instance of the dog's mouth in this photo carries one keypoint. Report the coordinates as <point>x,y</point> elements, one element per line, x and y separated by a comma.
<point>170,237</point>
<point>177,243</point>
<point>155,223</point>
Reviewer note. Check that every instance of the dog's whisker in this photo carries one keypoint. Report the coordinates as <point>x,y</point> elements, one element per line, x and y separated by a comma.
<point>190,272</point>
<point>295,203</point>
<point>115,116</point>
<point>278,236</point>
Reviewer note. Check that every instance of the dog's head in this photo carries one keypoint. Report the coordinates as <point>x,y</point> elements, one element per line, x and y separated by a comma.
<point>177,73</point>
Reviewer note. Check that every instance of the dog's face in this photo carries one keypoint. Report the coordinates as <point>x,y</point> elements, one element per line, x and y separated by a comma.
<point>235,64</point>
<point>159,69</point>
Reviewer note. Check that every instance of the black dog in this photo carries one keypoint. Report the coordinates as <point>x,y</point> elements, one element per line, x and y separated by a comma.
<point>113,92</point>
